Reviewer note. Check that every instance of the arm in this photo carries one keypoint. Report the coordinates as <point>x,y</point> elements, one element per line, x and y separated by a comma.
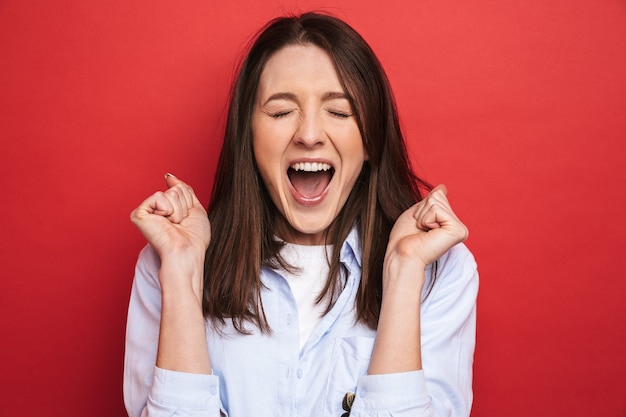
<point>177,228</point>
<point>176,225</point>
<point>421,235</point>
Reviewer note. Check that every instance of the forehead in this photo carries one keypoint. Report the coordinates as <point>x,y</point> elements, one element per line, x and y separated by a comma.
<point>299,67</point>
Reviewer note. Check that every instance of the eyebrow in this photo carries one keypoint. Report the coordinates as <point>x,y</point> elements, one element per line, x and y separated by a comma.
<point>281,96</point>
<point>331,95</point>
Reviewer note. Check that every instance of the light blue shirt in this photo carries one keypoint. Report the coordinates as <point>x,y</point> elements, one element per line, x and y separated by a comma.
<point>261,375</point>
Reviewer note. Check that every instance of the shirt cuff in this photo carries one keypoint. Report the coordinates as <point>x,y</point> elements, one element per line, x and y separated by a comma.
<point>402,390</point>
<point>182,390</point>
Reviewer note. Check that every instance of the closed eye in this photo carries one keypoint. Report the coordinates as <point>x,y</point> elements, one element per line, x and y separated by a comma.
<point>280,114</point>
<point>339,114</point>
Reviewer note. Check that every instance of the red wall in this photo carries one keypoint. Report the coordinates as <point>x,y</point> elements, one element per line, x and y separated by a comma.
<point>519,107</point>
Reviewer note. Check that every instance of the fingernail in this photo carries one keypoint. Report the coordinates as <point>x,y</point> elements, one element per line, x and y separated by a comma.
<point>169,175</point>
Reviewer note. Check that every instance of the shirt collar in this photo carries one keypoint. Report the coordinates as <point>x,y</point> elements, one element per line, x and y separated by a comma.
<point>351,249</point>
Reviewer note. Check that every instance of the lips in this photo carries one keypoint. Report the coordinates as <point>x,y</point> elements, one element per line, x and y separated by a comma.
<point>309,181</point>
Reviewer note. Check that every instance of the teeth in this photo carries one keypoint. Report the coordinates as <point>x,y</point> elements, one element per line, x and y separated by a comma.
<point>310,166</point>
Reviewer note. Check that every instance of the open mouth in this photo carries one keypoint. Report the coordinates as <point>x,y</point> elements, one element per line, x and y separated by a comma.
<point>310,179</point>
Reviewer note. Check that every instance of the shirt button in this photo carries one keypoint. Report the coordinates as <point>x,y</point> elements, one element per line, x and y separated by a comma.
<point>299,373</point>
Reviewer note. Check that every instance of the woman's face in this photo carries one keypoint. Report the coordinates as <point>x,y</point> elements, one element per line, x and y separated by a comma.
<point>306,141</point>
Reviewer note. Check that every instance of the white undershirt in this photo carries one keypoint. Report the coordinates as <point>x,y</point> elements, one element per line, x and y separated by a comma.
<point>307,283</point>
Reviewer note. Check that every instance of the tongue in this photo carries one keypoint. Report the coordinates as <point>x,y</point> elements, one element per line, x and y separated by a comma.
<point>309,184</point>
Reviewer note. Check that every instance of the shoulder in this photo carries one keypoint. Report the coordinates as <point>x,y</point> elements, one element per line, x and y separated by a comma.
<point>455,277</point>
<point>458,261</point>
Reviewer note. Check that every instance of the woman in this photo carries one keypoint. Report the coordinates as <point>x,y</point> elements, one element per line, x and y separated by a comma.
<point>321,282</point>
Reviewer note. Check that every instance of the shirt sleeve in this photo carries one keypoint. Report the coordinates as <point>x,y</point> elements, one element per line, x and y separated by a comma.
<point>443,388</point>
<point>148,390</point>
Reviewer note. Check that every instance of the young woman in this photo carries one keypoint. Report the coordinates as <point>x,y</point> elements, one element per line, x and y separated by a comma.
<point>321,283</point>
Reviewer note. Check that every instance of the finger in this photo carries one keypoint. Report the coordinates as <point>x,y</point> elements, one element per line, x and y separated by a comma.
<point>438,195</point>
<point>437,216</point>
<point>435,202</point>
<point>440,188</point>
<point>187,194</point>
<point>157,204</point>
<point>432,217</point>
<point>180,196</point>
<point>161,205</point>
<point>180,204</point>
<point>171,180</point>
<point>184,194</point>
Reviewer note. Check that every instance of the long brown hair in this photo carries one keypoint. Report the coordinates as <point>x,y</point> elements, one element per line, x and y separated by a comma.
<point>241,212</point>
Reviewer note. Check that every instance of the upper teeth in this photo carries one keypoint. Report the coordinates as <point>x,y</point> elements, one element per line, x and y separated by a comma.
<point>310,166</point>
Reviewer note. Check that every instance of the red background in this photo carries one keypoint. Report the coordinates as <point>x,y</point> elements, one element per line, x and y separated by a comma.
<point>519,107</point>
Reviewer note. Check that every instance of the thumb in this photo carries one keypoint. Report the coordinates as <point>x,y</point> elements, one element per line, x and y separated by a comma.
<point>440,187</point>
<point>171,180</point>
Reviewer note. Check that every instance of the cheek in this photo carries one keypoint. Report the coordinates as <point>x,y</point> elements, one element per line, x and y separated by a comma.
<point>268,165</point>
<point>267,141</point>
<point>262,149</point>
<point>353,148</point>
<point>266,169</point>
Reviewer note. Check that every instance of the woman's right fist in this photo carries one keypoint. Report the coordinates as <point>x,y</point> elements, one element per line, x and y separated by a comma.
<point>173,221</point>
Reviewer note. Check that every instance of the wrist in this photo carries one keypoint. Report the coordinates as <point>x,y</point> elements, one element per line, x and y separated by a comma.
<point>403,275</point>
<point>181,278</point>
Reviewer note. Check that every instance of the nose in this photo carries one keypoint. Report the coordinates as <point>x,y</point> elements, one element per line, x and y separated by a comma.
<point>310,132</point>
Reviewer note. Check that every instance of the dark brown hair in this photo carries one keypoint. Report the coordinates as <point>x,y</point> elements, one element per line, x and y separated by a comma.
<point>241,212</point>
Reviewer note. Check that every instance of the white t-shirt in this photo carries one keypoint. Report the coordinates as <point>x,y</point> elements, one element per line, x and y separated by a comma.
<point>307,283</point>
